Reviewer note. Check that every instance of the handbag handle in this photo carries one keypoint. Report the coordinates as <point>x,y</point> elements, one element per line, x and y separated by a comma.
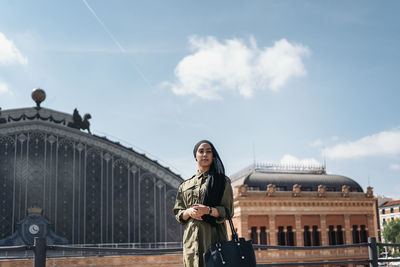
<point>234,234</point>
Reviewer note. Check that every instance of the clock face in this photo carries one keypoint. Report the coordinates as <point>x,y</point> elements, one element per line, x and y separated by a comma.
<point>33,229</point>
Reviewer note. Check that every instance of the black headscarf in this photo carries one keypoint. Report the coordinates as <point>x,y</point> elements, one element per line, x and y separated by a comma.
<point>216,181</point>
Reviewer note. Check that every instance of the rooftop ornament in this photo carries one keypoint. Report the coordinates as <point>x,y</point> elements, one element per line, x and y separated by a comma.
<point>38,95</point>
<point>79,123</point>
<point>289,168</point>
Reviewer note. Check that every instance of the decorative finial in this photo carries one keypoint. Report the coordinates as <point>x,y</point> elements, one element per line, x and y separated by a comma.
<point>38,95</point>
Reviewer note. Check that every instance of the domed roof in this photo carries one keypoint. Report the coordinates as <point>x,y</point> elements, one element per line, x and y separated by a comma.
<point>56,122</point>
<point>92,189</point>
<point>258,177</point>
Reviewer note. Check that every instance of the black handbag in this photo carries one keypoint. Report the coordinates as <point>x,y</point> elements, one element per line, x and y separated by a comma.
<point>235,253</point>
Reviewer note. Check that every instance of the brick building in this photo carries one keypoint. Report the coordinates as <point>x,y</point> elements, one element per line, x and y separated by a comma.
<point>389,211</point>
<point>303,206</point>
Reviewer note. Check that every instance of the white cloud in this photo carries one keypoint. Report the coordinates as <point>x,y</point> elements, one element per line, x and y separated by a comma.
<point>380,144</point>
<point>9,53</point>
<point>316,143</point>
<point>395,167</point>
<point>214,67</point>
<point>4,89</point>
<point>291,160</point>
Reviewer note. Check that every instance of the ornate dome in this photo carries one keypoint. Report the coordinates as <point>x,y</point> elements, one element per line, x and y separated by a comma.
<point>257,177</point>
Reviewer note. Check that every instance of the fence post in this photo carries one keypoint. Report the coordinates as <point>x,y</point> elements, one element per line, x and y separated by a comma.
<point>372,251</point>
<point>39,249</point>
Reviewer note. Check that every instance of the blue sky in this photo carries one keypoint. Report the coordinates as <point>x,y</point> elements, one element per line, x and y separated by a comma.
<point>271,81</point>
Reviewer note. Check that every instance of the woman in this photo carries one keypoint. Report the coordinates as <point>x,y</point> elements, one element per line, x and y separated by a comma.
<point>200,204</point>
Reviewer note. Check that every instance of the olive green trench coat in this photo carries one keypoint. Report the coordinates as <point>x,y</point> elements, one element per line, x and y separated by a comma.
<point>199,235</point>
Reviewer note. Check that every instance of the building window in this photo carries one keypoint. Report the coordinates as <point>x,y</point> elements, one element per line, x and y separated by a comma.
<point>356,234</point>
<point>253,235</point>
<point>383,211</point>
<point>306,188</point>
<point>339,235</point>
<point>285,238</point>
<point>332,235</point>
<point>363,234</point>
<point>280,188</point>
<point>253,188</point>
<point>330,189</point>
<point>263,235</point>
<point>281,236</point>
<point>290,236</point>
<point>384,221</point>
<point>391,210</point>
<point>315,236</point>
<point>307,236</point>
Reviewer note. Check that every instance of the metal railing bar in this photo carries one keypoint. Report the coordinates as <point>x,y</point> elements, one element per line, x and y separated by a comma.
<point>124,250</point>
<point>255,246</point>
<point>55,250</point>
<point>387,260</point>
<point>387,245</point>
<point>310,263</point>
<point>15,248</point>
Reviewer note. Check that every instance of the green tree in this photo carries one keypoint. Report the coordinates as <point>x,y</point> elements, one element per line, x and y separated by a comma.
<point>391,231</point>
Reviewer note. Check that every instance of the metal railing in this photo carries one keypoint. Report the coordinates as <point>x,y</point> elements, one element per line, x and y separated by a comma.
<point>40,249</point>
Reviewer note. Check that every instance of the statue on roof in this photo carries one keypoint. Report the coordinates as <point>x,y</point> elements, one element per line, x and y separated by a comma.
<point>79,123</point>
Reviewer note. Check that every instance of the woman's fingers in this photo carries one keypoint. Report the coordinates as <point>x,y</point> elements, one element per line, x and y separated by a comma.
<point>202,209</point>
<point>196,212</point>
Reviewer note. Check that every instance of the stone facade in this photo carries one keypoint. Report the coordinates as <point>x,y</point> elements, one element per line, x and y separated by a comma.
<point>298,218</point>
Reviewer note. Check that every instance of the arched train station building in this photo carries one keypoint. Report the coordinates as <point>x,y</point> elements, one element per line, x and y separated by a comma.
<point>87,188</point>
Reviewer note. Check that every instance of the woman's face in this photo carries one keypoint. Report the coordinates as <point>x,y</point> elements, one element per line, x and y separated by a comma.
<point>204,156</point>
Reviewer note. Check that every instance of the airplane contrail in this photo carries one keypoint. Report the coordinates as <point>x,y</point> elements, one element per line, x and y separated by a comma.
<point>121,48</point>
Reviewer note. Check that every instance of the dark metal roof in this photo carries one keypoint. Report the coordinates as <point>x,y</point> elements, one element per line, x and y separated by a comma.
<point>286,180</point>
<point>54,118</point>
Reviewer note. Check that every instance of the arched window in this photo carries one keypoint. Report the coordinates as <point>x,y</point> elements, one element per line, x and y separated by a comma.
<point>290,236</point>
<point>332,235</point>
<point>315,236</point>
<point>356,234</point>
<point>363,234</point>
<point>263,235</point>
<point>281,236</point>
<point>339,235</point>
<point>254,236</point>
<point>307,236</point>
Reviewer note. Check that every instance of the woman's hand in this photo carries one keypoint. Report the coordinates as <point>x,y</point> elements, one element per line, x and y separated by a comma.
<point>195,212</point>
<point>192,212</point>
<point>201,209</point>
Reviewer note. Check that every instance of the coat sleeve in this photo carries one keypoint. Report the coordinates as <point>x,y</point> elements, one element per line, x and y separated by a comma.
<point>226,202</point>
<point>179,206</point>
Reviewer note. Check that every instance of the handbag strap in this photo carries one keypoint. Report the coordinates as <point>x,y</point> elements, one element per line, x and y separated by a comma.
<point>234,234</point>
